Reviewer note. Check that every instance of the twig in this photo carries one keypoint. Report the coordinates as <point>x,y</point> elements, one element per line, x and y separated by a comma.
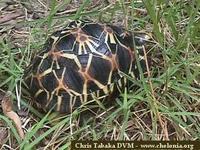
<point>8,111</point>
<point>10,16</point>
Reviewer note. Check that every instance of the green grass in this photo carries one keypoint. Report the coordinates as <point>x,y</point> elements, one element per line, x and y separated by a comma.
<point>166,105</point>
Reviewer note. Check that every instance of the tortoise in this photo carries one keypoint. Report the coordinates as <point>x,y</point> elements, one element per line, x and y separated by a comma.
<point>84,61</point>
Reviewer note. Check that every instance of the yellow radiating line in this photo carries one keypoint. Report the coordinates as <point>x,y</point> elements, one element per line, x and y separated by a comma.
<point>46,72</point>
<point>101,86</point>
<point>89,62</point>
<point>38,92</point>
<point>73,46</point>
<point>81,98</point>
<point>112,87</point>
<point>112,39</point>
<point>55,38</point>
<point>59,101</point>
<point>85,88</point>
<point>130,69</point>
<point>105,89</point>
<point>45,55</point>
<point>120,43</point>
<point>64,32</point>
<point>106,38</point>
<point>85,97</point>
<point>56,89</point>
<point>79,49</point>
<point>38,68</point>
<point>74,101</point>
<point>110,77</point>
<point>72,56</point>
<point>55,74</point>
<point>92,49</point>
<point>57,65</point>
<point>63,74</point>
<point>73,92</point>
<point>84,49</point>
<point>93,42</point>
<point>47,93</point>
<point>101,35</point>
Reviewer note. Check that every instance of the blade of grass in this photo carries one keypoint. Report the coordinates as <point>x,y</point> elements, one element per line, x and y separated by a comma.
<point>80,10</point>
<point>41,137</point>
<point>31,133</point>
<point>153,12</point>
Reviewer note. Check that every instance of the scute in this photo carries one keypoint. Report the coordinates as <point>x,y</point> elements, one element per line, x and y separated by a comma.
<point>49,86</point>
<point>50,42</point>
<point>42,98</point>
<point>100,69</point>
<point>35,64</point>
<point>33,85</point>
<point>63,62</point>
<point>44,65</point>
<point>104,49</point>
<point>124,58</point>
<point>83,59</point>
<point>66,43</point>
<point>78,63</point>
<point>73,80</point>
<point>91,86</point>
<point>89,30</point>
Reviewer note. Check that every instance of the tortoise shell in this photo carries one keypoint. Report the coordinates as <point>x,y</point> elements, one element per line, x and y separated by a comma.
<point>83,61</point>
